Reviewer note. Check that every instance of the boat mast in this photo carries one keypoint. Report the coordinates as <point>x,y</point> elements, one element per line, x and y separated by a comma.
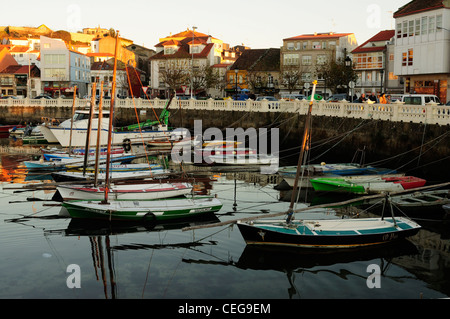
<point>88,133</point>
<point>99,131</point>
<point>71,120</point>
<point>111,116</point>
<point>300,158</point>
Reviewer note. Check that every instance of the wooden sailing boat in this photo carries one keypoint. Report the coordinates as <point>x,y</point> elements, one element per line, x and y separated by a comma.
<point>137,210</point>
<point>329,233</point>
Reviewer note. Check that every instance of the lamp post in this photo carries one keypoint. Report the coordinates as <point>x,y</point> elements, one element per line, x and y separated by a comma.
<point>236,71</point>
<point>381,80</point>
<point>348,65</point>
<point>192,64</point>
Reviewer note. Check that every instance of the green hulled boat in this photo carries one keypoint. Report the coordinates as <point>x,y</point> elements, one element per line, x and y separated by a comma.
<point>143,210</point>
<point>367,184</point>
<point>326,184</point>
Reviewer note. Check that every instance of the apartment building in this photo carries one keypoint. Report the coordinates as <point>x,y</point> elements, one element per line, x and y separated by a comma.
<point>62,69</point>
<point>422,47</point>
<point>301,56</point>
<point>373,64</point>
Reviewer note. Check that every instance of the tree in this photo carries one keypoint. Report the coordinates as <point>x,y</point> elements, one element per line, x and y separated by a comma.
<point>291,76</point>
<point>257,81</point>
<point>336,75</point>
<point>174,76</point>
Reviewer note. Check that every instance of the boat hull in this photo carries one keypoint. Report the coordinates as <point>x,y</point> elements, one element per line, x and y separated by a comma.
<point>329,234</point>
<point>62,135</point>
<point>144,211</point>
<point>372,185</point>
<point>114,175</point>
<point>125,192</point>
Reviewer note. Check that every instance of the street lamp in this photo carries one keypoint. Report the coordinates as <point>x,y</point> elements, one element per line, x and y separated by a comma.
<point>192,64</point>
<point>236,71</point>
<point>348,66</point>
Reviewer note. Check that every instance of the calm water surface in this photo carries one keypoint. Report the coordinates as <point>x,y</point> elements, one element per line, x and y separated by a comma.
<point>166,262</point>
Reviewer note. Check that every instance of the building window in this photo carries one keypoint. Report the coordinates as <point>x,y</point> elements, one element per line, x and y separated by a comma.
<point>392,76</point>
<point>306,77</point>
<point>431,25</point>
<point>306,60</point>
<point>290,46</point>
<point>321,59</point>
<point>316,46</point>
<point>405,29</point>
<point>439,23</point>
<point>407,58</point>
<point>417,32</point>
<point>55,58</point>
<point>55,73</point>
<point>369,60</point>
<point>399,30</point>
<point>424,25</point>
<point>411,28</point>
<point>290,59</point>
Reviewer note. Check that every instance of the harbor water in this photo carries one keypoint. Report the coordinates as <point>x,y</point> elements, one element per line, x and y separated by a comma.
<point>42,252</point>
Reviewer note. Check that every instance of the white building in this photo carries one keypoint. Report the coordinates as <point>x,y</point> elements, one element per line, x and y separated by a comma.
<point>422,47</point>
<point>62,69</point>
<point>189,51</point>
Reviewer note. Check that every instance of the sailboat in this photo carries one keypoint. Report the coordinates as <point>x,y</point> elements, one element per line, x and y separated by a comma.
<point>323,233</point>
<point>137,210</point>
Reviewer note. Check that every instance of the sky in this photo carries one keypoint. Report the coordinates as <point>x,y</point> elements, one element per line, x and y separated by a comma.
<point>253,23</point>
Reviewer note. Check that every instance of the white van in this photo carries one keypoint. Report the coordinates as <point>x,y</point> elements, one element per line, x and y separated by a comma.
<point>420,99</point>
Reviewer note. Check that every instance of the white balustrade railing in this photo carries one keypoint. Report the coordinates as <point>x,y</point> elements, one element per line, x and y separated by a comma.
<point>399,112</point>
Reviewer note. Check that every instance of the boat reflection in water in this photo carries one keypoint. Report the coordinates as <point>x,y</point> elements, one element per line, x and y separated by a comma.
<point>102,251</point>
<point>293,261</point>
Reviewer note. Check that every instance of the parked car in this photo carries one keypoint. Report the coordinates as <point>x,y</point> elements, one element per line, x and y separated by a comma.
<point>420,99</point>
<point>338,97</point>
<point>44,97</point>
<point>268,98</point>
<point>240,97</point>
<point>292,97</point>
<point>9,97</point>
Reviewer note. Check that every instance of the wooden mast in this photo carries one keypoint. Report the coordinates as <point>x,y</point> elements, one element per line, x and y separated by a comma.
<point>88,133</point>
<point>111,117</point>
<point>99,131</point>
<point>71,121</point>
<point>300,158</point>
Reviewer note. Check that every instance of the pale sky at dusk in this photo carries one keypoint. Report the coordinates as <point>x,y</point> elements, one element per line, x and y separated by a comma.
<point>254,23</point>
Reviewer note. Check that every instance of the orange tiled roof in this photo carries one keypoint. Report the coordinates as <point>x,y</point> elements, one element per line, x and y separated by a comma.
<point>385,35</point>
<point>314,36</point>
<point>99,54</point>
<point>183,52</point>
<point>188,34</point>
<point>19,48</point>
<point>170,42</point>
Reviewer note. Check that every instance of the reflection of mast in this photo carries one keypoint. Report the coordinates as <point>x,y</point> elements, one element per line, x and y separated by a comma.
<point>99,262</point>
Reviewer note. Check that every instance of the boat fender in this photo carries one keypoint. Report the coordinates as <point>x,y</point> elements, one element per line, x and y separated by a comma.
<point>149,217</point>
<point>126,145</point>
